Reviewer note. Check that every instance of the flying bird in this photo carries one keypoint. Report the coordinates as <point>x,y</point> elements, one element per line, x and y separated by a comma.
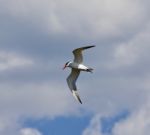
<point>76,66</point>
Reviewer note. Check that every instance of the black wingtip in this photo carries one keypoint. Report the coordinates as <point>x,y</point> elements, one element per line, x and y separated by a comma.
<point>76,95</point>
<point>80,100</point>
<point>87,47</point>
<point>91,46</point>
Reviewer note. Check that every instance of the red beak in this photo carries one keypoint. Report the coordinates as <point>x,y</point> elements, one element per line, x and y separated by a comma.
<point>64,67</point>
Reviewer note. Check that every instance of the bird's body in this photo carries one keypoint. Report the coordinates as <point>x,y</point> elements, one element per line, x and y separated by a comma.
<point>76,66</point>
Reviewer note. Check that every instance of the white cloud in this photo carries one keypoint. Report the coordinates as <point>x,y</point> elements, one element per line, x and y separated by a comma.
<point>94,127</point>
<point>101,19</point>
<point>9,60</point>
<point>21,101</point>
<point>29,131</point>
<point>37,100</point>
<point>138,123</point>
<point>133,52</point>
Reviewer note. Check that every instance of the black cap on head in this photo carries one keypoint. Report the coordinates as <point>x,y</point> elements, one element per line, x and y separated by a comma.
<point>67,63</point>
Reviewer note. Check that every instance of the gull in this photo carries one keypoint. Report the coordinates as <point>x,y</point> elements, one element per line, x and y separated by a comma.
<point>76,66</point>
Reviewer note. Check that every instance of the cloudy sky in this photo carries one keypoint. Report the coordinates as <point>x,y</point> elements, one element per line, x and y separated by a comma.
<point>36,39</point>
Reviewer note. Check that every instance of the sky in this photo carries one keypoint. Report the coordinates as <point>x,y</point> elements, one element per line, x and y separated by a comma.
<point>37,38</point>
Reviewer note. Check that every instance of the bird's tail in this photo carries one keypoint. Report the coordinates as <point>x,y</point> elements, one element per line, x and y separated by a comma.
<point>90,70</point>
<point>76,95</point>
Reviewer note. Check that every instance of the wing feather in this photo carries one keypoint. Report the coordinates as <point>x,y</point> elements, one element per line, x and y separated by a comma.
<point>71,79</point>
<point>78,57</point>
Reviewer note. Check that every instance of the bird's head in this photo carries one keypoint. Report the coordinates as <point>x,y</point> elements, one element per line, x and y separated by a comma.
<point>67,64</point>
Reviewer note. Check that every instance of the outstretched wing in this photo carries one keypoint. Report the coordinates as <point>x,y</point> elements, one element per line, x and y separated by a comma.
<point>71,80</point>
<point>78,58</point>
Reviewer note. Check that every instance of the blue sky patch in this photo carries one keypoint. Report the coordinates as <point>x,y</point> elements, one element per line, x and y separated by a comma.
<point>60,125</point>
